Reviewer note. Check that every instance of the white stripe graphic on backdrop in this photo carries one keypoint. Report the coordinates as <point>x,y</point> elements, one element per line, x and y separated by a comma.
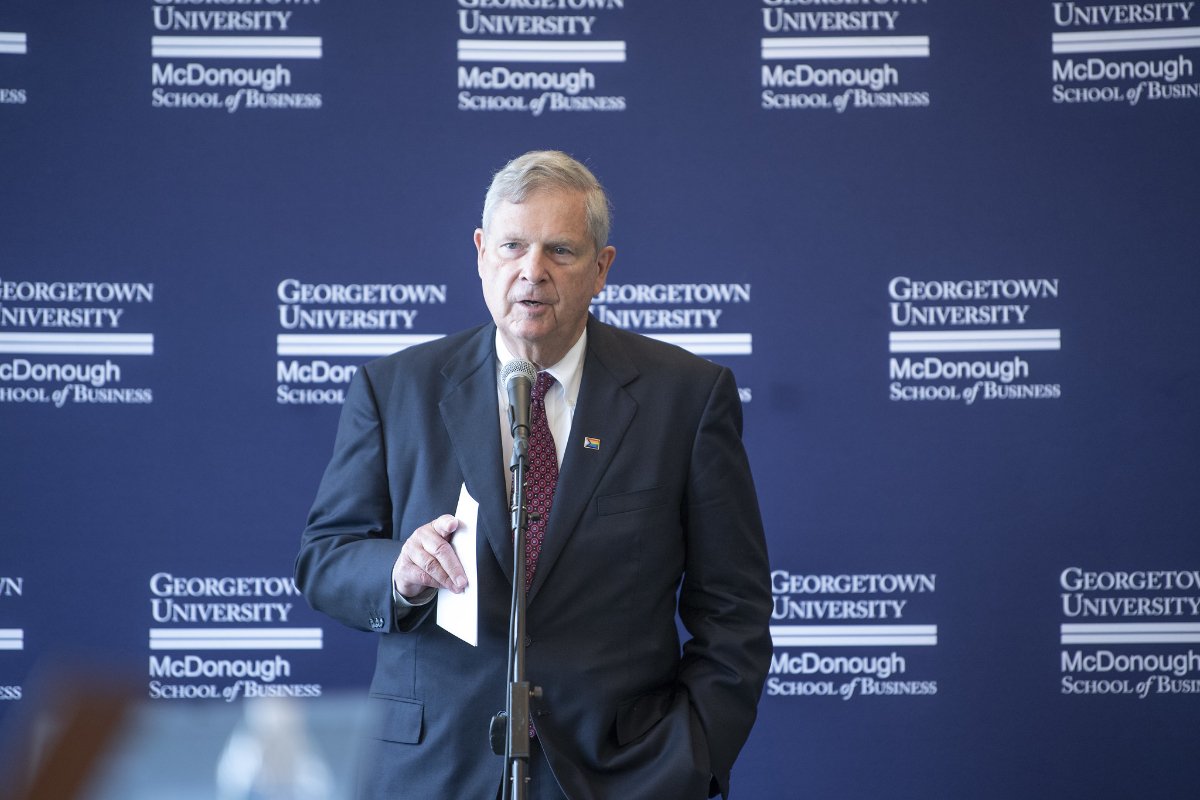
<point>313,344</point>
<point>709,344</point>
<point>853,635</point>
<point>13,43</point>
<point>556,51</point>
<point>12,639</point>
<point>236,638</point>
<point>347,344</point>
<point>1123,41</point>
<point>81,344</point>
<point>973,341</point>
<point>846,47</point>
<point>1131,633</point>
<point>235,46</point>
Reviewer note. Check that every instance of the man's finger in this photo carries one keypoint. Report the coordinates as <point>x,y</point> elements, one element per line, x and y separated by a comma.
<point>445,525</point>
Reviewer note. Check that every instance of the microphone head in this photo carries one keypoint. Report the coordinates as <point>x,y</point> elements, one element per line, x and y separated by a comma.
<point>518,367</point>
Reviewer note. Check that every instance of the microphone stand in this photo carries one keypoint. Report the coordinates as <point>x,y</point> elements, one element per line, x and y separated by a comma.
<point>510,728</point>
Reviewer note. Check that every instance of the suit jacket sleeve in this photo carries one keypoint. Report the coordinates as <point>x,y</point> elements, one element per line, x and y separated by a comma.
<point>725,600</point>
<point>347,550</point>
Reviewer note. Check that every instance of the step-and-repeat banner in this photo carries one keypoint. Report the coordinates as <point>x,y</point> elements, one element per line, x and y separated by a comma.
<point>949,250</point>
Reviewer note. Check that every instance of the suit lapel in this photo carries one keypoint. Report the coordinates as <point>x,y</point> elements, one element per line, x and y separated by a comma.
<point>603,411</point>
<point>470,412</point>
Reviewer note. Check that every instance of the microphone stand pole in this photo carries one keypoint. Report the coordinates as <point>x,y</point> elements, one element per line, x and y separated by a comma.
<point>510,728</point>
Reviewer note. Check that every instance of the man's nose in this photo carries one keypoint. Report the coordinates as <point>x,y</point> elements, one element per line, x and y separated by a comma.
<point>533,266</point>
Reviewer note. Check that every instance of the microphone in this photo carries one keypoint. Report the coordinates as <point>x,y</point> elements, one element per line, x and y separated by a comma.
<point>517,377</point>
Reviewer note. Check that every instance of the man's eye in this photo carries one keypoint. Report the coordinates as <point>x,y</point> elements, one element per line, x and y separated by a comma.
<point>562,251</point>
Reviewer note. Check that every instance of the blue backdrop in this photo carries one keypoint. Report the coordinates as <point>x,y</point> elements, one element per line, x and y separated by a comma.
<point>949,251</point>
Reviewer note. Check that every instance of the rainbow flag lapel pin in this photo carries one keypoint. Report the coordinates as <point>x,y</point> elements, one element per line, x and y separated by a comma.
<point>591,443</point>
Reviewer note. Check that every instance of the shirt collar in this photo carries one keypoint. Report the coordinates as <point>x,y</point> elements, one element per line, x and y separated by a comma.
<point>568,371</point>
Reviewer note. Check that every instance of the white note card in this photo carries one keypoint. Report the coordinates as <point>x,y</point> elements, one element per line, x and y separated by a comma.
<point>459,613</point>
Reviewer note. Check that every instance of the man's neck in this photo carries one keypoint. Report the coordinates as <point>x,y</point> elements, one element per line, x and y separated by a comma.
<point>540,357</point>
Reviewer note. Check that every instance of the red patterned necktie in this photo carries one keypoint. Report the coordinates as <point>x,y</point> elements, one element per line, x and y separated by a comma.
<point>542,477</point>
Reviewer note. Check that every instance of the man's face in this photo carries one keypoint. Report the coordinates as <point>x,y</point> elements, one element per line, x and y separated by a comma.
<point>539,271</point>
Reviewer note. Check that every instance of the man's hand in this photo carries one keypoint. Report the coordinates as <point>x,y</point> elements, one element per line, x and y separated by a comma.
<point>428,560</point>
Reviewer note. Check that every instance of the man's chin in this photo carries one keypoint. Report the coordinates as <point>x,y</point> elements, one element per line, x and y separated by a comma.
<point>528,333</point>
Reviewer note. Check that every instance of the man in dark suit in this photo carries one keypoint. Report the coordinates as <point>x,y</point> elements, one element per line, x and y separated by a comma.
<point>654,513</point>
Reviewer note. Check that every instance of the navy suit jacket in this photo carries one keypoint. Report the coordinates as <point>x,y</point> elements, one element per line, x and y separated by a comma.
<point>661,518</point>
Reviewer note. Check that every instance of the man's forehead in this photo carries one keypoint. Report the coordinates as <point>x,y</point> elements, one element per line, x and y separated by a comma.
<point>556,213</point>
